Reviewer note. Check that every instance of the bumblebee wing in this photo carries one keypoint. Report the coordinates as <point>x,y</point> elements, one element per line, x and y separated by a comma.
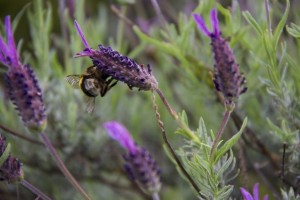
<point>74,81</point>
<point>90,104</point>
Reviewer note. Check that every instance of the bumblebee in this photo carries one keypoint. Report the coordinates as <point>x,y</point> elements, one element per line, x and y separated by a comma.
<point>92,83</point>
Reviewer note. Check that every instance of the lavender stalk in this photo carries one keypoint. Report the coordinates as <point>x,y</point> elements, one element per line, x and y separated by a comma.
<point>25,93</point>
<point>227,77</point>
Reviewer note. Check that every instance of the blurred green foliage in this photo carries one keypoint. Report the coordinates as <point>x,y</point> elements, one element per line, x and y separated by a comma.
<point>182,62</point>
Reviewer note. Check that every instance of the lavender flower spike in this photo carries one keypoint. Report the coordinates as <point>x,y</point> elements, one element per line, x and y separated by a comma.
<point>23,88</point>
<point>247,196</point>
<point>139,164</point>
<point>111,63</point>
<point>227,77</point>
<point>10,170</point>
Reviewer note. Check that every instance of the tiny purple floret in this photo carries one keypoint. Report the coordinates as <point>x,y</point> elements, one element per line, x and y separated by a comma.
<point>247,196</point>
<point>118,132</point>
<point>8,52</point>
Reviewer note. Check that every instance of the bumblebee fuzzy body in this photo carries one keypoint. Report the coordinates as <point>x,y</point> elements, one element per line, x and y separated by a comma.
<point>92,83</point>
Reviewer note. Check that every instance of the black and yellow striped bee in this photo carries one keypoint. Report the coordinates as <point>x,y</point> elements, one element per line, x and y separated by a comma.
<point>92,83</point>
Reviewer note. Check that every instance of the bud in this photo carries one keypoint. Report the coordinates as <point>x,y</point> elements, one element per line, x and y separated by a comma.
<point>22,85</point>
<point>117,66</point>
<point>139,164</point>
<point>10,170</point>
<point>227,77</point>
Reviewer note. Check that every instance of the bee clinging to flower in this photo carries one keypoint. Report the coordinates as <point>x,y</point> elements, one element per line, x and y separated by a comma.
<point>119,67</point>
<point>92,83</point>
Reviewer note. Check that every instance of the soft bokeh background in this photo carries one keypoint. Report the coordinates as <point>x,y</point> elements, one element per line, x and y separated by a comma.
<point>48,40</point>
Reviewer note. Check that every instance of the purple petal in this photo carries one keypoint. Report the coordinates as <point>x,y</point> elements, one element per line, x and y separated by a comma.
<point>11,43</point>
<point>83,53</point>
<point>3,51</point>
<point>215,22</point>
<point>118,132</point>
<point>256,191</point>
<point>246,194</point>
<point>81,35</point>
<point>201,24</point>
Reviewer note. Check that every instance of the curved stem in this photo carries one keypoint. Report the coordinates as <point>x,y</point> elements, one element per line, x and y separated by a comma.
<point>173,113</point>
<point>20,135</point>
<point>178,162</point>
<point>34,190</point>
<point>220,132</point>
<point>62,166</point>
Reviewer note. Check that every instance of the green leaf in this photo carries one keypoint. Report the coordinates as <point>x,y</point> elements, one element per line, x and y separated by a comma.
<point>5,154</point>
<point>294,30</point>
<point>228,144</point>
<point>252,22</point>
<point>226,164</point>
<point>281,24</point>
<point>184,118</point>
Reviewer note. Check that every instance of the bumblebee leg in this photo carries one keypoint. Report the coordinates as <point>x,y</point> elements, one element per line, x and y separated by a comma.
<point>103,90</point>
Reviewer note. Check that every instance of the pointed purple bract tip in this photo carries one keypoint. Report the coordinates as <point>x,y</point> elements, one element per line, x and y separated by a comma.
<point>77,26</point>
<point>247,196</point>
<point>201,24</point>
<point>214,21</point>
<point>8,52</point>
<point>118,132</point>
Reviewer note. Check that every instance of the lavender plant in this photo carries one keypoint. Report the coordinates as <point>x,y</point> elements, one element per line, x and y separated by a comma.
<point>25,93</point>
<point>210,160</point>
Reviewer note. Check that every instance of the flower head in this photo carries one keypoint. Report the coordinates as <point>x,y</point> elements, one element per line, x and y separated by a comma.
<point>227,77</point>
<point>23,88</point>
<point>10,170</point>
<point>117,66</point>
<point>139,164</point>
<point>248,196</point>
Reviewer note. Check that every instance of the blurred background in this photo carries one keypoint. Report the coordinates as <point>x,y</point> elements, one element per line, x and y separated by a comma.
<point>47,40</point>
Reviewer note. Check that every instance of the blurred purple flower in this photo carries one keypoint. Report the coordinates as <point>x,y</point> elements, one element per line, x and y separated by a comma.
<point>112,63</point>
<point>227,77</point>
<point>121,134</point>
<point>10,170</point>
<point>248,196</point>
<point>22,85</point>
<point>139,164</point>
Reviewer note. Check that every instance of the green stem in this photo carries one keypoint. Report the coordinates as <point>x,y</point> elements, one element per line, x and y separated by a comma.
<point>22,136</point>
<point>121,28</point>
<point>173,113</point>
<point>220,132</point>
<point>171,150</point>
<point>62,166</point>
<point>34,190</point>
